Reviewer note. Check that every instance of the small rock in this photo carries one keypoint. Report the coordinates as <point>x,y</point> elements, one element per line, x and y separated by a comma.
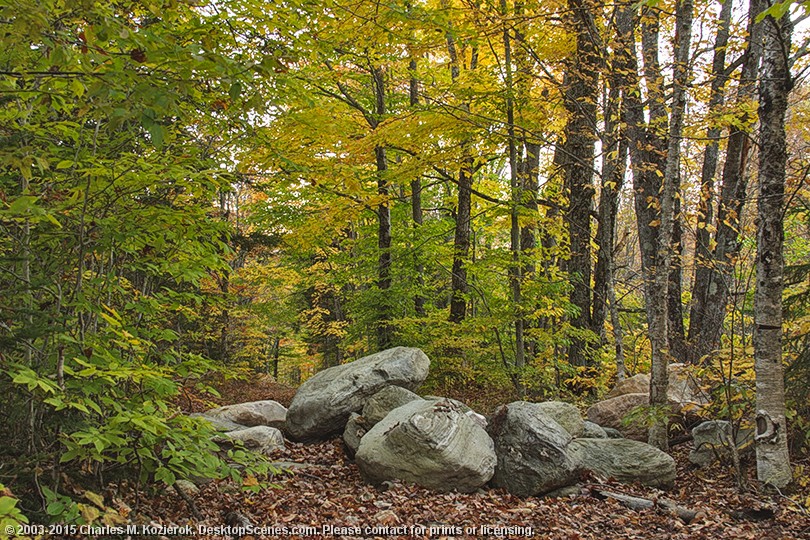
<point>262,439</point>
<point>712,441</point>
<point>355,429</point>
<point>610,413</point>
<point>220,424</point>
<point>188,488</point>
<point>594,431</point>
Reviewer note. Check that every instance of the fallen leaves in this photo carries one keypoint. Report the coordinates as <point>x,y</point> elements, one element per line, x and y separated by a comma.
<point>328,498</point>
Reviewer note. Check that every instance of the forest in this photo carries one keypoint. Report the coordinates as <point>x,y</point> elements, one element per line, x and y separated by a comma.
<point>209,202</point>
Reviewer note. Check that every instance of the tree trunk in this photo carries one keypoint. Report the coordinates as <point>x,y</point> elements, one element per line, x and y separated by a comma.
<point>461,246</point>
<point>416,204</point>
<point>773,464</point>
<point>614,159</point>
<point>461,239</point>
<point>384,329</point>
<point>713,281</point>
<point>659,277</point>
<point>705,217</point>
<point>581,95</point>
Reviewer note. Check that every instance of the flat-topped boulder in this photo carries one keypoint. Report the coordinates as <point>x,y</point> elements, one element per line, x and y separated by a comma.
<point>531,449</point>
<point>262,439</point>
<point>322,405</point>
<point>219,424</point>
<point>252,413</point>
<point>434,444</point>
<point>624,460</point>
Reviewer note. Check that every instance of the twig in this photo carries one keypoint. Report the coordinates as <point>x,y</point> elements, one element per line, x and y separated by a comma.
<point>637,503</point>
<point>190,503</point>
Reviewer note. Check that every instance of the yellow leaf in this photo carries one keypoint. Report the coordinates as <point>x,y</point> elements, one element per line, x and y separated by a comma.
<point>94,498</point>
<point>89,513</point>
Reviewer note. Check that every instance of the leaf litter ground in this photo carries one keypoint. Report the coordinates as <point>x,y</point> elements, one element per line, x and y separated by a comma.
<point>326,498</point>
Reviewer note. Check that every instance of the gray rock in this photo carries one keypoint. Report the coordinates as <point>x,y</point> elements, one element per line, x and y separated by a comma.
<point>610,413</point>
<point>594,431</point>
<point>220,424</point>
<point>565,414</point>
<point>354,431</point>
<point>712,441</point>
<point>188,488</point>
<point>253,413</point>
<point>612,433</point>
<point>567,491</point>
<point>383,402</point>
<point>430,443</point>
<point>322,405</point>
<point>479,419</point>
<point>531,450</point>
<point>262,439</point>
<point>683,389</point>
<point>625,460</point>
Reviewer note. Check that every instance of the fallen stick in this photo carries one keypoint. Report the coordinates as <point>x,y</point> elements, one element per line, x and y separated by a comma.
<point>637,503</point>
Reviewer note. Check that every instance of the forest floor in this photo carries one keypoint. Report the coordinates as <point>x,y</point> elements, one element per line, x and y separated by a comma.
<point>328,499</point>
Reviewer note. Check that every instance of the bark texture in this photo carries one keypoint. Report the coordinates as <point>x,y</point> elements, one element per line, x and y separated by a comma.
<point>773,464</point>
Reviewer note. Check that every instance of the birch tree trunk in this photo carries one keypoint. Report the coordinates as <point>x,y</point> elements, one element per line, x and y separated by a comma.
<point>773,463</point>
<point>658,307</point>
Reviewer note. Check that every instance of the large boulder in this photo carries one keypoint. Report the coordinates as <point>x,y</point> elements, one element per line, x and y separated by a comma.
<point>430,443</point>
<point>683,389</point>
<point>262,439</point>
<point>253,413</point>
<point>565,414</point>
<point>712,441</point>
<point>383,402</point>
<point>322,405</point>
<point>625,460</point>
<point>610,413</point>
<point>531,450</point>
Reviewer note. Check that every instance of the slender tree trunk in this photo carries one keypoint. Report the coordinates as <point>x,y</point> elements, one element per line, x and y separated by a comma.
<point>773,463</point>
<point>660,275</point>
<point>384,329</point>
<point>713,283</point>
<point>703,251</point>
<point>416,203</point>
<point>614,159</point>
<point>461,246</point>
<point>516,269</point>
<point>461,239</point>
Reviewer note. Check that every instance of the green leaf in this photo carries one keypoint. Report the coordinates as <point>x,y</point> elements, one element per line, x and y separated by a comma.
<point>235,91</point>
<point>7,504</point>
